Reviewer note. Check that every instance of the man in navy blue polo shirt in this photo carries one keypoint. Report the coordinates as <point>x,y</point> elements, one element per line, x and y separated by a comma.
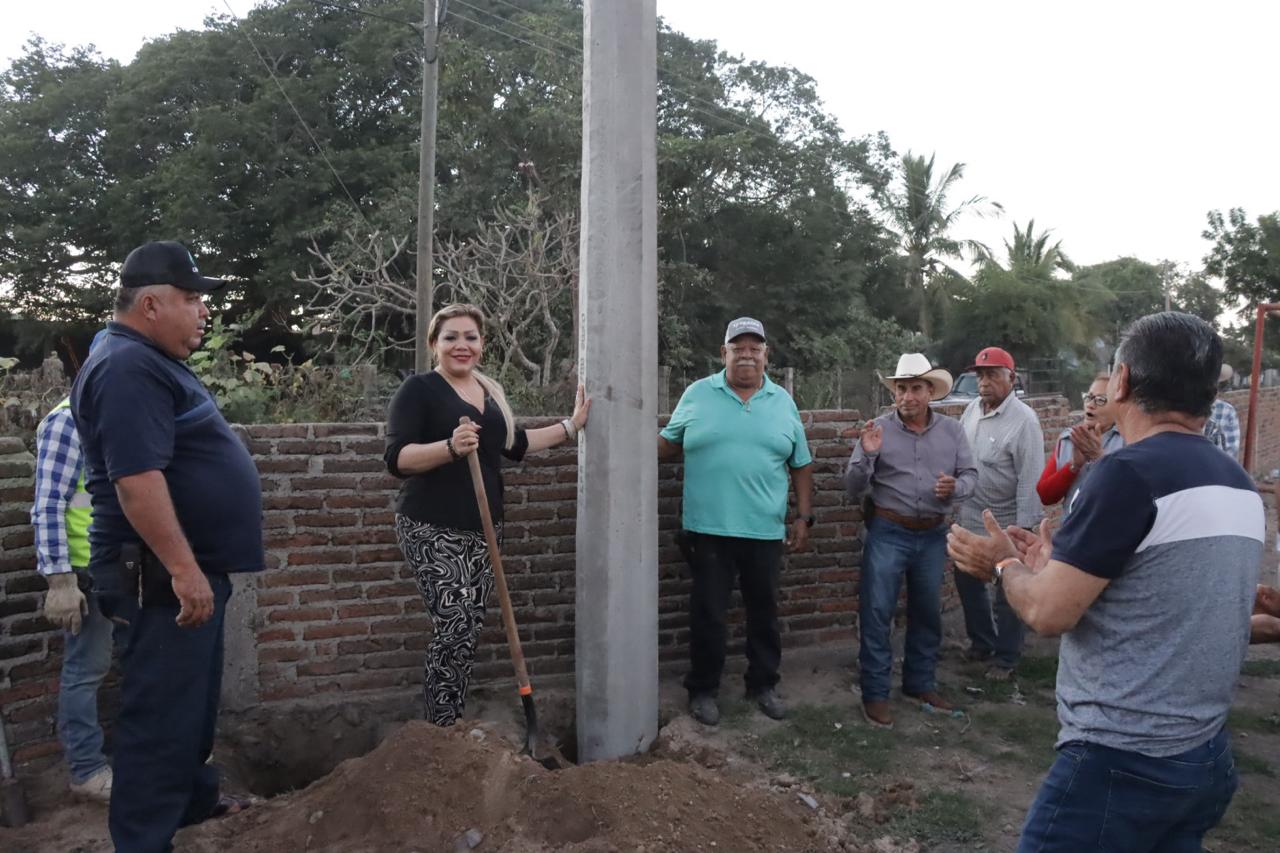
<point>742,443</point>
<point>177,506</point>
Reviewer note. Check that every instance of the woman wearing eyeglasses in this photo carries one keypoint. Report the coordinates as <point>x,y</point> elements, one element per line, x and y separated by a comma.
<point>1079,445</point>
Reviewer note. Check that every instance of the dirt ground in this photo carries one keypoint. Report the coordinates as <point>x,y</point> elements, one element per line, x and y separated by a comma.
<point>822,780</point>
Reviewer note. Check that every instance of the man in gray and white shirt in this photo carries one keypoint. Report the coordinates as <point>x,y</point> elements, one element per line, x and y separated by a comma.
<point>1008,447</point>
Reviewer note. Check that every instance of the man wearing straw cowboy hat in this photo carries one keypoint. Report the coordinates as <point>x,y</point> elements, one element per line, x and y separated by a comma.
<point>916,464</point>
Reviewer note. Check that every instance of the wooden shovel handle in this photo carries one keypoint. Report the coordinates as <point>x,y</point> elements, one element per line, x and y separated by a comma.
<point>499,577</point>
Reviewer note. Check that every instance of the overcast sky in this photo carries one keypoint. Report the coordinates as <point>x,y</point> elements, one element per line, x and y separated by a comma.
<point>1117,124</point>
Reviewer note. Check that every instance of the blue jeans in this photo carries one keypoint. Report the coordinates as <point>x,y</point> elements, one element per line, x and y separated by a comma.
<point>892,552</point>
<point>1001,636</point>
<point>1098,798</point>
<point>86,659</point>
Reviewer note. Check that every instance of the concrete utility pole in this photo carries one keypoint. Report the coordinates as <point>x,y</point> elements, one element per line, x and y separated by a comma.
<point>617,552</point>
<point>426,185</point>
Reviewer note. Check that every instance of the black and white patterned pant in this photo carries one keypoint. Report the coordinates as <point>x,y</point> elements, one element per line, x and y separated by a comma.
<point>455,578</point>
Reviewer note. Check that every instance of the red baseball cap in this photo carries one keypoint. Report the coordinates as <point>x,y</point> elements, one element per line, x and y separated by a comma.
<point>992,357</point>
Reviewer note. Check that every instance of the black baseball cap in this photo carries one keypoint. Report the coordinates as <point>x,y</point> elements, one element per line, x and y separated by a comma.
<point>165,262</point>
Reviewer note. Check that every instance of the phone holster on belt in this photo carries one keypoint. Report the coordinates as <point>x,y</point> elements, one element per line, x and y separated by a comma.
<point>157,583</point>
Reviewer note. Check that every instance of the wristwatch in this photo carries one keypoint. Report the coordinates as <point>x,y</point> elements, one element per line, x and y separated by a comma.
<point>1000,567</point>
<point>809,520</point>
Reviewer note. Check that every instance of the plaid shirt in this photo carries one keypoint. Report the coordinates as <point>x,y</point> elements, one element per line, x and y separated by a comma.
<point>58,464</point>
<point>1223,428</point>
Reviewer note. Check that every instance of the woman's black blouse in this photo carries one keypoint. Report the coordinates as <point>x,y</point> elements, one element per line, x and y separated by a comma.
<point>427,409</point>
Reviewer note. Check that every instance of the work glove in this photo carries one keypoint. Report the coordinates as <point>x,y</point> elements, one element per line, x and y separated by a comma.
<point>65,604</point>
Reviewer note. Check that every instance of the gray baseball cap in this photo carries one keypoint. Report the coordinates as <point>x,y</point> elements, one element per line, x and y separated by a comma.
<point>744,326</point>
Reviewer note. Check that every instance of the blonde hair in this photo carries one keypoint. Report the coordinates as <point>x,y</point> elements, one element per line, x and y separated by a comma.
<point>491,386</point>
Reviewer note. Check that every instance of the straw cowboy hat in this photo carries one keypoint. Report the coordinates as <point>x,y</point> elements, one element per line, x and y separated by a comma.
<point>914,365</point>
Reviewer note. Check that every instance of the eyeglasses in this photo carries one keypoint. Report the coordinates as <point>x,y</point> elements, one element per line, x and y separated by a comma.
<point>1096,399</point>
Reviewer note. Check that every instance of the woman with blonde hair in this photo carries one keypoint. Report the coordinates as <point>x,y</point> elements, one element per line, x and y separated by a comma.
<point>437,521</point>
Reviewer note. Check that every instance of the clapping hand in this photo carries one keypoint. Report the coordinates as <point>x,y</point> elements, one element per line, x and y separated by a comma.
<point>1086,444</point>
<point>977,555</point>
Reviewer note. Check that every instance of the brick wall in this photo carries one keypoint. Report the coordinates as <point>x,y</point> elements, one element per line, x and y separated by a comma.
<point>337,612</point>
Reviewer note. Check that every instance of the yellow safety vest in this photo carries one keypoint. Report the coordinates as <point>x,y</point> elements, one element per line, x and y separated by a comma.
<point>78,515</point>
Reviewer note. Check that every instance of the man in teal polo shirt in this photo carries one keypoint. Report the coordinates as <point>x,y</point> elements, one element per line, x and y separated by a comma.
<point>741,436</point>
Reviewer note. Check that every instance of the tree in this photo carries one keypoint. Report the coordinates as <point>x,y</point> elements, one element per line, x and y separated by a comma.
<point>923,221</point>
<point>1031,258</point>
<point>1023,306</point>
<point>763,199</point>
<point>1115,293</point>
<point>1245,255</point>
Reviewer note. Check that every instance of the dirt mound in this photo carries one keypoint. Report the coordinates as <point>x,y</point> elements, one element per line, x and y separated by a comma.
<point>429,789</point>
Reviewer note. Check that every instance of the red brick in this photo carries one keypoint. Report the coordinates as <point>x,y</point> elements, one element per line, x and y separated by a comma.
<point>295,577</point>
<point>283,465</point>
<point>344,430</point>
<point>378,555</point>
<point>365,536</point>
<point>325,519</point>
<point>329,667</point>
<point>375,500</point>
<point>270,502</point>
<point>307,447</point>
<point>325,557</point>
<point>282,653</point>
<point>337,629</point>
<point>273,635</point>
<point>329,594</point>
<point>359,465</point>
<point>300,614</point>
<point>274,597</point>
<point>353,611</point>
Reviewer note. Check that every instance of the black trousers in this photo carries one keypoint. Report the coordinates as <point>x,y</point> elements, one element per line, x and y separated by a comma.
<point>716,562</point>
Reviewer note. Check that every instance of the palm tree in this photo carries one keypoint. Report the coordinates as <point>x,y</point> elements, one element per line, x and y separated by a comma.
<point>1031,258</point>
<point>922,221</point>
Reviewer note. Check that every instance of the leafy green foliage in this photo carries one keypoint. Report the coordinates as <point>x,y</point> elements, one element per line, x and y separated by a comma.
<point>1245,255</point>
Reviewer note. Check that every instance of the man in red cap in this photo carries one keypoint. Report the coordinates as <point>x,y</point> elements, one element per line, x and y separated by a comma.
<point>1008,447</point>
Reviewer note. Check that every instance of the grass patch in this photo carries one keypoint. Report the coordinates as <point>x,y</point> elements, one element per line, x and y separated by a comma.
<point>1261,668</point>
<point>1029,731</point>
<point>734,713</point>
<point>941,816</point>
<point>809,745</point>
<point>1248,763</point>
<point>1038,671</point>
<point>1242,720</point>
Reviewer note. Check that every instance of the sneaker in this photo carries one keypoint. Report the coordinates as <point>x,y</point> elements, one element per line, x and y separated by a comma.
<point>877,714</point>
<point>97,787</point>
<point>998,673</point>
<point>704,709</point>
<point>770,705</point>
<point>931,697</point>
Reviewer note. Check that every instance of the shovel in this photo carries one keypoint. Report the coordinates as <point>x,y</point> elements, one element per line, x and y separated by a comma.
<point>13,807</point>
<point>542,751</point>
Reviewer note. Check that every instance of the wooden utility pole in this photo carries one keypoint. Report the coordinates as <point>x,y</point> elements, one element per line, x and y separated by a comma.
<point>426,185</point>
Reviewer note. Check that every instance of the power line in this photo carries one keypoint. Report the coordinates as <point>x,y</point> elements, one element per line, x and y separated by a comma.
<point>316,142</point>
<point>573,47</point>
